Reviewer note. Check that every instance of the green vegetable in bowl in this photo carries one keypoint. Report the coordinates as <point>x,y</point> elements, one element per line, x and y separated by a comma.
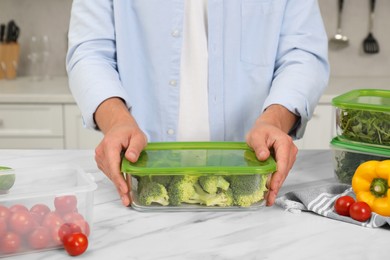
<point>365,126</point>
<point>209,190</point>
<point>6,180</point>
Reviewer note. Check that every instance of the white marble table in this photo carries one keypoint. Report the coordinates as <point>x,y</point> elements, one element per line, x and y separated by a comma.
<point>270,233</point>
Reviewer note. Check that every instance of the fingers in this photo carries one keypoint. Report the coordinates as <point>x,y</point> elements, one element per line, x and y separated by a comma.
<point>135,147</point>
<point>265,139</point>
<point>285,156</point>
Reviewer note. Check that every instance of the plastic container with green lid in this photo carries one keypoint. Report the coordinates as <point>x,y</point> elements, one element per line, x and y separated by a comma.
<point>348,155</point>
<point>177,176</point>
<point>363,115</point>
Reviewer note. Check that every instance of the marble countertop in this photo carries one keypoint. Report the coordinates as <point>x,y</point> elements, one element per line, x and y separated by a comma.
<point>270,233</point>
<point>55,90</point>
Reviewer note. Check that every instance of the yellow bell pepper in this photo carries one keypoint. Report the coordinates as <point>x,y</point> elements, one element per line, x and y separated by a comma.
<point>371,182</point>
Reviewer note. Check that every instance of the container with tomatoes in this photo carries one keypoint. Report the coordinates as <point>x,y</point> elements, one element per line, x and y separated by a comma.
<point>46,208</point>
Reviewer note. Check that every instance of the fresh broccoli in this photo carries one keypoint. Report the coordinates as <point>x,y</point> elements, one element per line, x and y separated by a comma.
<point>164,180</point>
<point>223,198</point>
<point>186,189</point>
<point>153,192</point>
<point>248,189</point>
<point>181,189</point>
<point>211,183</point>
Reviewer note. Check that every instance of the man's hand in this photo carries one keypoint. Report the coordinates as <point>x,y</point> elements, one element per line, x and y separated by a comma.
<point>121,133</point>
<point>270,134</point>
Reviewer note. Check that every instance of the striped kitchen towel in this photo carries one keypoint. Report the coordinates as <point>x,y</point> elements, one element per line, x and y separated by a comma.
<point>321,200</point>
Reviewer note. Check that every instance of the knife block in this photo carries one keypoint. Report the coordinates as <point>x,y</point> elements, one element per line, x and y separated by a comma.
<point>9,59</point>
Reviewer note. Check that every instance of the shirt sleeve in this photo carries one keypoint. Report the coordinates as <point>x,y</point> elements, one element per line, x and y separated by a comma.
<point>301,68</point>
<point>91,59</point>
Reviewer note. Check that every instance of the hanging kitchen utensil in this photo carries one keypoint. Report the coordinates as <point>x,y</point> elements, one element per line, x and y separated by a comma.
<point>370,44</point>
<point>339,40</point>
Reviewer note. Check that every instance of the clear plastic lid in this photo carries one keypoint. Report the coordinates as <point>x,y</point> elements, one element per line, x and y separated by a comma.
<point>197,158</point>
<point>364,99</point>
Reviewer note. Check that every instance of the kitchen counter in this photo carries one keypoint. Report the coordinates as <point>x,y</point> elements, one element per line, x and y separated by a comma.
<point>269,233</point>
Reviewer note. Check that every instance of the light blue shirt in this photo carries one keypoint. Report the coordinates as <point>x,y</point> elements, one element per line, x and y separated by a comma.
<point>261,52</point>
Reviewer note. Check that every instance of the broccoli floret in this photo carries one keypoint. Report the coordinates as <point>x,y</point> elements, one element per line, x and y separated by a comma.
<point>153,192</point>
<point>186,189</point>
<point>164,180</point>
<point>211,183</point>
<point>223,198</point>
<point>181,189</point>
<point>142,181</point>
<point>248,189</point>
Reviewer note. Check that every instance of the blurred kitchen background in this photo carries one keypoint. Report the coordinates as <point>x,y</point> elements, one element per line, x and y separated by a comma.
<point>350,66</point>
<point>51,18</point>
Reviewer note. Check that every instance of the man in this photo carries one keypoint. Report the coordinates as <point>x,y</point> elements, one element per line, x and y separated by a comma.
<point>197,70</point>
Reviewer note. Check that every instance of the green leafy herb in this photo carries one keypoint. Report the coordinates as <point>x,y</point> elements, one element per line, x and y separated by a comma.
<point>365,126</point>
<point>348,162</point>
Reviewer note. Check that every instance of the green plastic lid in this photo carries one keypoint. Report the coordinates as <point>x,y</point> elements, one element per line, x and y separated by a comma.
<point>198,158</point>
<point>359,147</point>
<point>364,99</point>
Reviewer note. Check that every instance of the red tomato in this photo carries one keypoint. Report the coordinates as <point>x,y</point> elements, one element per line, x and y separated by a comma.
<point>5,213</point>
<point>360,211</point>
<point>38,211</point>
<point>39,238</point>
<point>22,222</point>
<point>343,204</point>
<point>18,207</point>
<point>3,227</point>
<point>65,204</point>
<point>10,243</point>
<point>72,217</point>
<point>75,244</point>
<point>52,220</point>
<point>85,229</point>
<point>67,229</point>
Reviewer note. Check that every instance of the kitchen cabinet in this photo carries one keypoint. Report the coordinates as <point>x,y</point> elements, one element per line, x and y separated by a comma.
<point>320,129</point>
<point>31,126</point>
<point>76,136</point>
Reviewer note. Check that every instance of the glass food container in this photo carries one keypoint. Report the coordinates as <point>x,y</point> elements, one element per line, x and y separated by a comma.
<point>197,176</point>
<point>348,155</point>
<point>363,115</point>
<point>41,202</point>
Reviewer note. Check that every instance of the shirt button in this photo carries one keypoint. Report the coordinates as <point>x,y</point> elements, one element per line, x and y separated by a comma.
<point>171,131</point>
<point>175,33</point>
<point>173,83</point>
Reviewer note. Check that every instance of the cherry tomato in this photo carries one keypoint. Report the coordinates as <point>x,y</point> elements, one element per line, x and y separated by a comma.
<point>53,222</point>
<point>38,211</point>
<point>3,227</point>
<point>75,244</point>
<point>72,217</point>
<point>39,238</point>
<point>18,207</point>
<point>67,229</point>
<point>22,222</point>
<point>360,211</point>
<point>5,213</point>
<point>343,204</point>
<point>85,229</point>
<point>10,243</point>
<point>65,204</point>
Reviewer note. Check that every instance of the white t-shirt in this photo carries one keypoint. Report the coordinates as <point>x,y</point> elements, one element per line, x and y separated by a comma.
<point>194,120</point>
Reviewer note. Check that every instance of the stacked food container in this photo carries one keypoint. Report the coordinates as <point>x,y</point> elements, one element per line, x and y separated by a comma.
<point>363,130</point>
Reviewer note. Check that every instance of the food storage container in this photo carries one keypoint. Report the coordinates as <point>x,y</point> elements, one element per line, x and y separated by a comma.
<point>42,205</point>
<point>363,115</point>
<point>348,155</point>
<point>7,179</point>
<point>177,176</point>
